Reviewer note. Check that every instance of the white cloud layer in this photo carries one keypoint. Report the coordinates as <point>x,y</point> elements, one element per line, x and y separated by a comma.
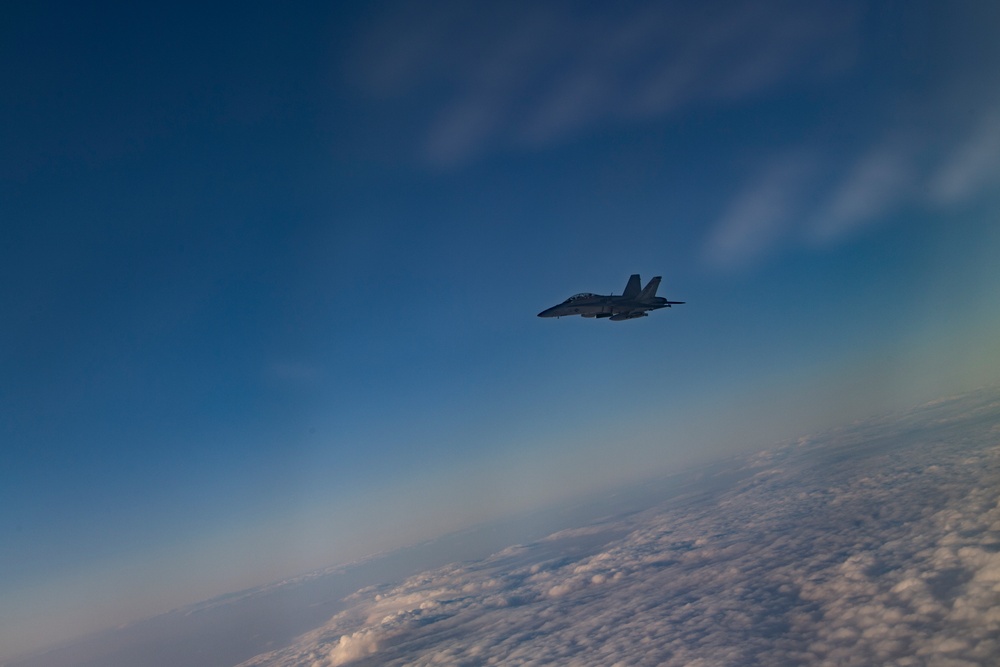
<point>878,544</point>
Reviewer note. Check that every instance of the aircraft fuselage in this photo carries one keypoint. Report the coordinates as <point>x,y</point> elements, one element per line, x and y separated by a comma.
<point>633,304</point>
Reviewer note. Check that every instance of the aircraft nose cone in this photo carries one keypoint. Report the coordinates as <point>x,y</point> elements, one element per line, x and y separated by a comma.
<point>547,313</point>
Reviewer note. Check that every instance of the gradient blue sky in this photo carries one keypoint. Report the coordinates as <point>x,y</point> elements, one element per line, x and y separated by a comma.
<point>269,276</point>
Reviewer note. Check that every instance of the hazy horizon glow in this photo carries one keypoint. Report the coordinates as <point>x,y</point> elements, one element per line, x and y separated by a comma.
<point>270,276</point>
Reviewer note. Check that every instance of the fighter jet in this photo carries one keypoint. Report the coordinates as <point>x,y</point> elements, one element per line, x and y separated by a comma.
<point>631,304</point>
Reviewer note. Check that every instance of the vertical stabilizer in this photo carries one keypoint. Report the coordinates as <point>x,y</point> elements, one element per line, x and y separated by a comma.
<point>650,290</point>
<point>633,287</point>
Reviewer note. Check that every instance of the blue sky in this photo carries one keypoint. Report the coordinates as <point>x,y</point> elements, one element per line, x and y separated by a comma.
<point>269,276</point>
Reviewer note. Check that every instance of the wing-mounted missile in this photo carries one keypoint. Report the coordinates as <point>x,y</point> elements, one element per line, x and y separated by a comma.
<point>627,316</point>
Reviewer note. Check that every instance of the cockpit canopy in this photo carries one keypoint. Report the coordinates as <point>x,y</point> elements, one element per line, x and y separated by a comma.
<point>580,296</point>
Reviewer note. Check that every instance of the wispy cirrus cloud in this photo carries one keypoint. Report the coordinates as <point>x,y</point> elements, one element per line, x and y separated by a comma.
<point>294,372</point>
<point>527,74</point>
<point>878,180</point>
<point>519,76</point>
<point>830,198</point>
<point>972,165</point>
<point>761,214</point>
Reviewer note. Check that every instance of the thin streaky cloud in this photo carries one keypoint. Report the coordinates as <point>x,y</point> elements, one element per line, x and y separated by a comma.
<point>875,184</point>
<point>539,74</point>
<point>294,372</point>
<point>490,91</point>
<point>778,205</point>
<point>972,166</point>
<point>760,216</point>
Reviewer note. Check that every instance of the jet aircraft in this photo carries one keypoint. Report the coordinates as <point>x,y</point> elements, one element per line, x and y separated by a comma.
<point>633,303</point>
